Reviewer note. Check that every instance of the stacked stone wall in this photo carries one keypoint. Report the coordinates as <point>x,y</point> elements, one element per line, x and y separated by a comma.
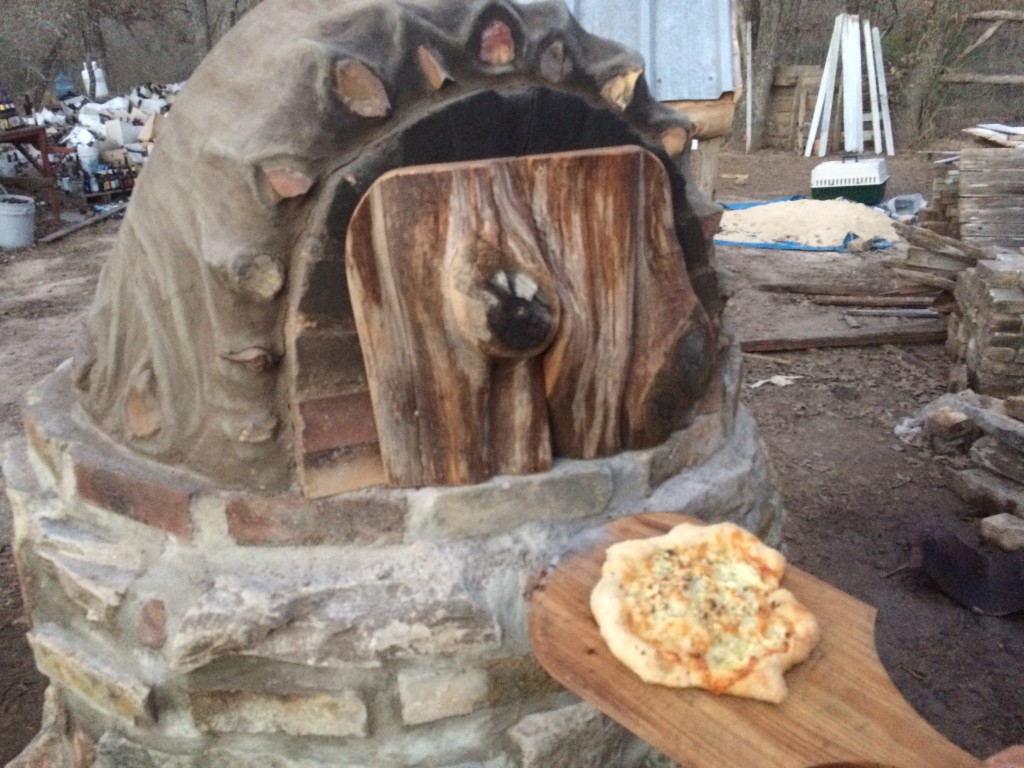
<point>185,625</point>
<point>986,338</point>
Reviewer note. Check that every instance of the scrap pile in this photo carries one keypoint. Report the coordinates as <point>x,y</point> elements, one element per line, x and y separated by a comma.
<point>98,148</point>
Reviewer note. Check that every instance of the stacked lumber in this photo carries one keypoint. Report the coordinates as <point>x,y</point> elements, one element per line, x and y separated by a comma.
<point>1001,135</point>
<point>992,196</point>
<point>934,260</point>
<point>791,105</point>
<point>854,301</point>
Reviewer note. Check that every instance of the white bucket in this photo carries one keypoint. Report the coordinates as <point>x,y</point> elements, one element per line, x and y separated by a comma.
<point>17,221</point>
<point>89,158</point>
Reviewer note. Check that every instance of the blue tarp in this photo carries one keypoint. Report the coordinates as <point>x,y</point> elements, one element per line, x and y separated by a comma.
<point>755,203</point>
<point>877,243</point>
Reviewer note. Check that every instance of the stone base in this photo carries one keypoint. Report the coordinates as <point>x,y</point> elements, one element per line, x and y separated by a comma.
<point>184,625</point>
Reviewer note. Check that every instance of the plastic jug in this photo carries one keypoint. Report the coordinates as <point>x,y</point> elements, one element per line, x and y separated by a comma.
<point>63,86</point>
<point>95,74</point>
<point>101,81</point>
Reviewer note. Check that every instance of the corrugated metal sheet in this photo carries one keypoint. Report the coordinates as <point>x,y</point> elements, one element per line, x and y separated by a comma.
<point>687,44</point>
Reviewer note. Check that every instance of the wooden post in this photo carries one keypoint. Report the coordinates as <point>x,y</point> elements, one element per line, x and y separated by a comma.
<point>748,54</point>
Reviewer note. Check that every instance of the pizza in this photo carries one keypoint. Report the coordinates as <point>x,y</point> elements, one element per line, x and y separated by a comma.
<point>701,606</point>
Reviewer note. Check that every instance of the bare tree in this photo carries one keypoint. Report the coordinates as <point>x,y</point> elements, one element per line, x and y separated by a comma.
<point>213,18</point>
<point>33,40</point>
<point>939,29</point>
<point>40,37</point>
<point>768,18</point>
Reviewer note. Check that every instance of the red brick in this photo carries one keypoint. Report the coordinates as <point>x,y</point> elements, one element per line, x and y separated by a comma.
<point>340,470</point>
<point>284,521</point>
<point>328,360</point>
<point>144,499</point>
<point>335,422</point>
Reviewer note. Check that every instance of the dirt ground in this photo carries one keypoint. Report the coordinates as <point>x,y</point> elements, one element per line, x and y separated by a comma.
<point>852,490</point>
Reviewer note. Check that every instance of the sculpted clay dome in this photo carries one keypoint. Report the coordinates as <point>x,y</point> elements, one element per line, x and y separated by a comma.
<point>222,337</point>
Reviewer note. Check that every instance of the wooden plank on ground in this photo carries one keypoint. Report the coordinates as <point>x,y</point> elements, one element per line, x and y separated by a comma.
<point>914,314</point>
<point>822,289</point>
<point>62,233</point>
<point>924,278</point>
<point>908,302</point>
<point>923,332</point>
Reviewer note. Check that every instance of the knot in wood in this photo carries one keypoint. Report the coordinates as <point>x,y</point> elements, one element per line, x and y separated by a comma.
<point>519,314</point>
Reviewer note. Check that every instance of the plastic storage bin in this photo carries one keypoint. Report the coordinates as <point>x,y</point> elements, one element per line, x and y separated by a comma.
<point>859,180</point>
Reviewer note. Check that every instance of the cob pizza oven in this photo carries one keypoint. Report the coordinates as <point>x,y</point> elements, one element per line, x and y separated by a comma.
<point>409,296</point>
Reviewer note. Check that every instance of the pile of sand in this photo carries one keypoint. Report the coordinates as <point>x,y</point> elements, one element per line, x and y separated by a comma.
<point>806,222</point>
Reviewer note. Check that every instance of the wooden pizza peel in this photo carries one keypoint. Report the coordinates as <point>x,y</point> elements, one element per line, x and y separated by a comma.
<point>842,708</point>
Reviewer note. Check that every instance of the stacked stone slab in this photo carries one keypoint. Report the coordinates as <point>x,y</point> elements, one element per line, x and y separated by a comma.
<point>991,431</point>
<point>186,625</point>
<point>986,334</point>
<point>991,194</point>
<point>942,215</point>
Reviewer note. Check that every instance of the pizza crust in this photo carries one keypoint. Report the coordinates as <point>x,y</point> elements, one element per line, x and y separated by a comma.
<point>727,568</point>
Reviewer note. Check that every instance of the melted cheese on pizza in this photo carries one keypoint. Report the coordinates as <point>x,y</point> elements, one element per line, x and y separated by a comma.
<point>707,608</point>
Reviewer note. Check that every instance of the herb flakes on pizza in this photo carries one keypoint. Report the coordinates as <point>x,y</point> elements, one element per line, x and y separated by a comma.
<point>701,606</point>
